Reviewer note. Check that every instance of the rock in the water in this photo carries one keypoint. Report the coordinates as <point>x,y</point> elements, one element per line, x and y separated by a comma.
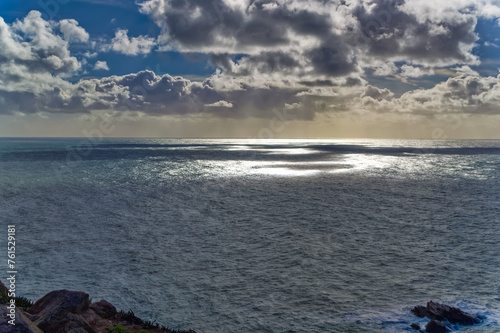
<point>57,312</point>
<point>439,311</point>
<point>443,312</point>
<point>419,311</point>
<point>435,326</point>
<point>415,326</point>
<point>104,309</point>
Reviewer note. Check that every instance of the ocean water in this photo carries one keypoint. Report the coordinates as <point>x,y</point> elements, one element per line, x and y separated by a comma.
<point>258,236</point>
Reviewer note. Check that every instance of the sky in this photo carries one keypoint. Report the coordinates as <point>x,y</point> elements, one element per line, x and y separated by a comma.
<point>400,69</point>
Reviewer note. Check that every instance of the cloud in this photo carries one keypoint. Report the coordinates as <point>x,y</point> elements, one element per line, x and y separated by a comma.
<point>464,94</point>
<point>490,9</point>
<point>332,38</point>
<point>101,65</point>
<point>164,94</point>
<point>151,94</point>
<point>465,70</point>
<point>427,33</point>
<point>34,45</point>
<point>158,95</point>
<point>220,104</point>
<point>415,72</point>
<point>384,69</point>
<point>377,94</point>
<point>89,54</point>
<point>305,58</point>
<point>131,46</point>
<point>72,32</point>
<point>34,58</point>
<point>489,44</point>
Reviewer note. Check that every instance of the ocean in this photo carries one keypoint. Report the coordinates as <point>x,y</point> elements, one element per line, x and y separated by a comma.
<point>258,235</point>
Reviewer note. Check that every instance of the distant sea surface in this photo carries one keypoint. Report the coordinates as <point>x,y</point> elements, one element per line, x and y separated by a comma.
<point>258,236</point>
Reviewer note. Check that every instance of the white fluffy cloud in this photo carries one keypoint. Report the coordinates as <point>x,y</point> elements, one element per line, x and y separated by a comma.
<point>415,72</point>
<point>101,65</point>
<point>72,32</point>
<point>220,104</point>
<point>385,69</point>
<point>464,94</point>
<point>34,44</point>
<point>33,59</point>
<point>131,45</point>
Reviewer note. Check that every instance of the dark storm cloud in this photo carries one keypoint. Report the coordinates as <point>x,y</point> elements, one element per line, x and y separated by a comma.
<point>265,62</point>
<point>319,83</point>
<point>199,23</point>
<point>267,30</point>
<point>160,95</point>
<point>330,59</point>
<point>153,95</point>
<point>335,36</point>
<point>222,60</point>
<point>389,29</point>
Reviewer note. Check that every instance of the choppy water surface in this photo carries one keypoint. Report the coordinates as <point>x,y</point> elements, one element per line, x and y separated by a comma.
<point>259,236</point>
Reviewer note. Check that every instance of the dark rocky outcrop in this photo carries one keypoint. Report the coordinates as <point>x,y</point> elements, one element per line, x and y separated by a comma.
<point>23,324</point>
<point>442,317</point>
<point>443,312</point>
<point>419,311</point>
<point>7,313</point>
<point>415,326</point>
<point>104,309</point>
<point>435,326</point>
<point>58,311</point>
<point>65,311</point>
<point>3,288</point>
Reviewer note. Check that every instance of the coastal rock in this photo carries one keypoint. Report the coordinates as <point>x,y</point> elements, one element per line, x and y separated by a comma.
<point>65,322</point>
<point>419,311</point>
<point>3,288</point>
<point>78,330</point>
<point>443,312</point>
<point>58,311</point>
<point>453,315</point>
<point>415,326</point>
<point>23,324</point>
<point>435,326</point>
<point>104,309</point>
<point>64,311</point>
<point>60,300</point>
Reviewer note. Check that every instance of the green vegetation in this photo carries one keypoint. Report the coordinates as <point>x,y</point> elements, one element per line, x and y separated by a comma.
<point>4,297</point>
<point>131,318</point>
<point>21,302</point>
